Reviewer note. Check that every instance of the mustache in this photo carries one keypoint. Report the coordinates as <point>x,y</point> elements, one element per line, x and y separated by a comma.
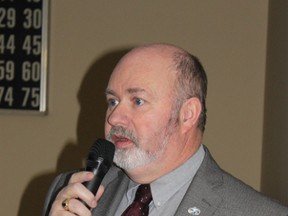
<point>119,130</point>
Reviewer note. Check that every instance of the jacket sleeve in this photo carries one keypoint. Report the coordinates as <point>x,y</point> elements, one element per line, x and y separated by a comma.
<point>59,182</point>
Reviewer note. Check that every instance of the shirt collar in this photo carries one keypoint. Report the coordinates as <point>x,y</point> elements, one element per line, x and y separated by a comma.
<point>168,185</point>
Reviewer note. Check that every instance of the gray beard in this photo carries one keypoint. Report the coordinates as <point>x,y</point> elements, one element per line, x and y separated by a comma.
<point>128,159</point>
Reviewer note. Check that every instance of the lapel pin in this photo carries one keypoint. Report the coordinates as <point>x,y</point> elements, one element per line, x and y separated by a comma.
<point>194,211</point>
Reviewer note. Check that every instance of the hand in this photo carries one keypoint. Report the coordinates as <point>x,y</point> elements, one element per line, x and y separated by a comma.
<point>74,190</point>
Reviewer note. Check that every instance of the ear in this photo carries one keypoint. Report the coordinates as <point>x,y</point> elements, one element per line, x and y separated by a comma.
<point>190,112</point>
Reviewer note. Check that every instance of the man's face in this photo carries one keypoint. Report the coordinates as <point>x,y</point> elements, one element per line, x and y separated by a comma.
<point>138,118</point>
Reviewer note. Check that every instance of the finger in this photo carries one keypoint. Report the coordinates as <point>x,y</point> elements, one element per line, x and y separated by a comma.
<point>81,177</point>
<point>99,192</point>
<point>74,190</point>
<point>78,208</point>
<point>77,190</point>
<point>93,203</point>
<point>74,207</point>
<point>57,210</point>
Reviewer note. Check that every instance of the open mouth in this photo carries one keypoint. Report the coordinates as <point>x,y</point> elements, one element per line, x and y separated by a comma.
<point>121,141</point>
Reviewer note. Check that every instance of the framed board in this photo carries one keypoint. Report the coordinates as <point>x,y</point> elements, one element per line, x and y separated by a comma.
<point>23,55</point>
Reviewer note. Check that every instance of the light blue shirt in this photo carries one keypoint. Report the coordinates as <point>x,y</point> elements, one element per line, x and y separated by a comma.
<point>167,191</point>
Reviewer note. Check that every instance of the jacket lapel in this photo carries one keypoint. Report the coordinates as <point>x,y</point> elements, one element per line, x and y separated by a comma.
<point>200,198</point>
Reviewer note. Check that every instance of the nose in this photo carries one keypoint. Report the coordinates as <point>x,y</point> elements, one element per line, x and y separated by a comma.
<point>118,116</point>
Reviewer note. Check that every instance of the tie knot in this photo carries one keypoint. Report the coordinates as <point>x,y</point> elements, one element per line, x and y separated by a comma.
<point>140,205</point>
<point>143,194</point>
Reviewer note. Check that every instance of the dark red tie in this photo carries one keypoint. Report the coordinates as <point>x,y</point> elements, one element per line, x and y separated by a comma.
<point>140,205</point>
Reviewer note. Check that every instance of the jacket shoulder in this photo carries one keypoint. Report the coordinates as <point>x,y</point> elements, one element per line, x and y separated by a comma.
<point>227,195</point>
<point>58,183</point>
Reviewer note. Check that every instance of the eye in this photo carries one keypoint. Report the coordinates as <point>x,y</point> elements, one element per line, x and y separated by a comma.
<point>112,102</point>
<point>139,101</point>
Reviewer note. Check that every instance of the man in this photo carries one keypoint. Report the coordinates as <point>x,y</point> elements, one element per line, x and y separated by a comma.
<point>156,118</point>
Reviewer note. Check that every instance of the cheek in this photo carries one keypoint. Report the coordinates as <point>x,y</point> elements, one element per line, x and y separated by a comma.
<point>150,127</point>
<point>107,128</point>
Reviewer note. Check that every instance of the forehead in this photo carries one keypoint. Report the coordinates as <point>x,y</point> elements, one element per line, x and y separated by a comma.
<point>150,69</point>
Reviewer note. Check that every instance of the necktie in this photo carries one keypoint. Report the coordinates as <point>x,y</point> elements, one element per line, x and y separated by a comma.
<point>140,205</point>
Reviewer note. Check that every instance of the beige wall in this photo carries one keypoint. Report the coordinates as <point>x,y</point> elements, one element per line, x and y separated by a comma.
<point>87,37</point>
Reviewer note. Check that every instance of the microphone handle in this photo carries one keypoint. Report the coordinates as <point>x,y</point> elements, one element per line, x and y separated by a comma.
<point>94,184</point>
<point>99,172</point>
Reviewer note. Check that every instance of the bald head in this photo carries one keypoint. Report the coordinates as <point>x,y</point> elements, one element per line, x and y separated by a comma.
<point>162,50</point>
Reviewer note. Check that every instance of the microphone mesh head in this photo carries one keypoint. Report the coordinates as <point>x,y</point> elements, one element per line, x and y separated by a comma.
<point>102,148</point>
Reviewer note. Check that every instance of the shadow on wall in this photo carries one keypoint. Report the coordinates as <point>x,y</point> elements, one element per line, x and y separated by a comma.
<point>90,126</point>
<point>274,154</point>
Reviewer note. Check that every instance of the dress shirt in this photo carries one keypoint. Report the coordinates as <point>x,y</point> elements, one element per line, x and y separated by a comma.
<point>167,191</point>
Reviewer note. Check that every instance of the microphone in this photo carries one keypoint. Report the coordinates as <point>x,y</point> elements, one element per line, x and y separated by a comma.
<point>99,161</point>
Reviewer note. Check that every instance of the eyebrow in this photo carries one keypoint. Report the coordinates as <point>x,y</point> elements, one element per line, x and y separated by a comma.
<point>129,90</point>
<point>109,92</point>
<point>135,90</point>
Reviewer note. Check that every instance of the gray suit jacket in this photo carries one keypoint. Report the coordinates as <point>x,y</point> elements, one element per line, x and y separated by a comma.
<point>212,191</point>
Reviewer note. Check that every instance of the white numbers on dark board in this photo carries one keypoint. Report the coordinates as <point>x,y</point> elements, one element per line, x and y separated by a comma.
<point>7,18</point>
<point>7,44</point>
<point>7,70</point>
<point>32,44</point>
<point>31,95</point>
<point>6,95</point>
<point>31,71</point>
<point>21,47</point>
<point>33,18</point>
